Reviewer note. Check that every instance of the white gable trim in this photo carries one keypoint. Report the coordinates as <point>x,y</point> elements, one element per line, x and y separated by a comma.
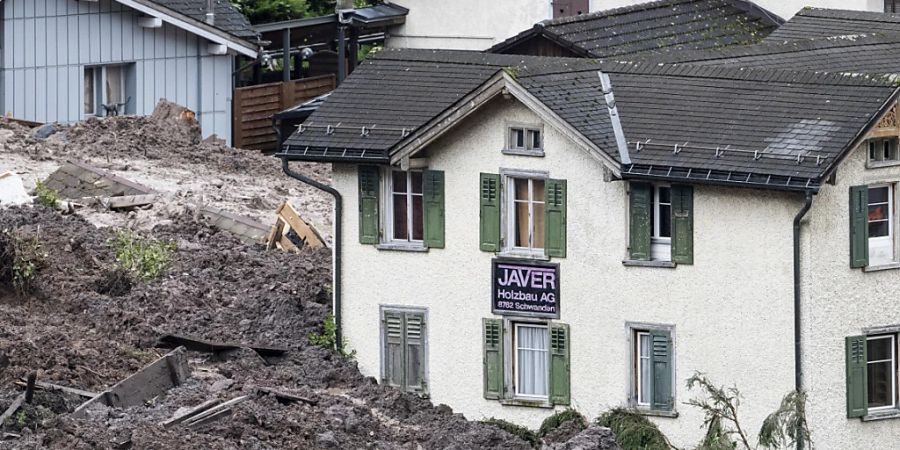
<point>498,84</point>
<point>191,25</point>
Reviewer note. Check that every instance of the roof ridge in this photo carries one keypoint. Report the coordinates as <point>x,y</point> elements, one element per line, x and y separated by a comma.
<point>744,5</point>
<point>760,74</point>
<point>846,14</point>
<point>782,47</point>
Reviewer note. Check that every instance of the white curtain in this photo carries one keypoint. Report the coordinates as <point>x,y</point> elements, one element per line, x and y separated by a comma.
<point>644,358</point>
<point>533,373</point>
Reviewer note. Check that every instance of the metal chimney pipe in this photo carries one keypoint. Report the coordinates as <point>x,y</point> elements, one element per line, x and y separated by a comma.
<point>211,12</point>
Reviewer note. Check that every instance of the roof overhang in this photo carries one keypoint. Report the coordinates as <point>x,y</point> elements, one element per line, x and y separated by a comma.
<point>499,84</point>
<point>539,32</point>
<point>194,26</point>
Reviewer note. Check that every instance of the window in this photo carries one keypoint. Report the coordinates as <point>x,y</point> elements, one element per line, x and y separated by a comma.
<point>883,150</point>
<point>526,363</point>
<point>530,360</point>
<point>526,215</point>
<point>880,224</point>
<point>524,141</point>
<point>404,351</point>
<point>891,6</point>
<point>881,372</point>
<point>406,208</point>
<point>652,368</point>
<point>106,89</point>
<point>661,224</point>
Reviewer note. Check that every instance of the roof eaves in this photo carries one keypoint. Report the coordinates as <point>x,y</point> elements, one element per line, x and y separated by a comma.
<point>194,26</point>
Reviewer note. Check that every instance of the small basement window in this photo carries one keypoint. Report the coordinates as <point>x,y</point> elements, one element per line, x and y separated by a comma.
<point>883,150</point>
<point>524,140</point>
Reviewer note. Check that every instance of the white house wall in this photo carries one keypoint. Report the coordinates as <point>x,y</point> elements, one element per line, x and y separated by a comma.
<point>48,43</point>
<point>839,302</point>
<point>732,309</point>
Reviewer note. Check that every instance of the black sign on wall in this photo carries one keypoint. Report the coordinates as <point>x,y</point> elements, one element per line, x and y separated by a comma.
<point>525,288</point>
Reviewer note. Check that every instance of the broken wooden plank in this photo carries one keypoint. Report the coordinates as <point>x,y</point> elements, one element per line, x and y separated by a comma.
<point>128,201</point>
<point>12,408</point>
<point>284,397</point>
<point>57,387</point>
<point>214,412</point>
<point>200,345</point>
<point>190,413</point>
<point>291,232</point>
<point>154,379</point>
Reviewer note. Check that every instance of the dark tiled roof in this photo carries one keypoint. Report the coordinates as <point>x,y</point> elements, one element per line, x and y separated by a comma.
<point>861,54</point>
<point>746,125</point>
<point>656,26</point>
<point>228,18</point>
<point>816,22</point>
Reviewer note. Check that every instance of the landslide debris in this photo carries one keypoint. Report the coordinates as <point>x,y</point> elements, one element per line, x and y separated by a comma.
<point>217,288</point>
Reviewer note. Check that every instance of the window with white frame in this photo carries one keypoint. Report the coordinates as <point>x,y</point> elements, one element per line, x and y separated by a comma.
<point>661,223</point>
<point>642,380</point>
<point>531,372</point>
<point>528,140</point>
<point>883,150</point>
<point>881,224</point>
<point>881,372</point>
<point>404,212</point>
<point>525,215</point>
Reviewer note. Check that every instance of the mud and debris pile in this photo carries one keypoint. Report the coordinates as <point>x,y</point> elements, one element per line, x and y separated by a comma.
<point>216,288</point>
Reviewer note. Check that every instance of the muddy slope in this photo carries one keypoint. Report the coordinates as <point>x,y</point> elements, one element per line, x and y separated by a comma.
<point>217,288</point>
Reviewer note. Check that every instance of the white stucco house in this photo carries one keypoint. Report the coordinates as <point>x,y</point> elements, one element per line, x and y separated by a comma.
<point>523,234</point>
<point>66,60</point>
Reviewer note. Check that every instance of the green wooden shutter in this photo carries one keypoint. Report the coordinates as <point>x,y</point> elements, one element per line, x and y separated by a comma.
<point>641,200</point>
<point>434,208</point>
<point>661,368</point>
<point>392,371</point>
<point>683,224</point>
<point>555,210</point>
<point>857,390</point>
<point>489,190</point>
<point>493,358</point>
<point>368,204</point>
<point>415,353</point>
<point>859,226</point>
<point>560,393</point>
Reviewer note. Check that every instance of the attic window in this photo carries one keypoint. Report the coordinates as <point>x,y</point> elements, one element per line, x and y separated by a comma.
<point>882,151</point>
<point>523,140</point>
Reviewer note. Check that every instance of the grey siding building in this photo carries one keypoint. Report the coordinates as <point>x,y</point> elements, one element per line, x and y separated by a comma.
<point>66,60</point>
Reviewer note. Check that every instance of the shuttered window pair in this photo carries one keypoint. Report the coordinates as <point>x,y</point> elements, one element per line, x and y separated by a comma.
<point>404,356</point>
<point>872,225</point>
<point>415,206</point>
<point>534,210</point>
<point>526,361</point>
<point>652,364</point>
<point>871,374</point>
<point>661,221</point>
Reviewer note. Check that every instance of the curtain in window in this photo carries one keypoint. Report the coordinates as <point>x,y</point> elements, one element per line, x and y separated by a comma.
<point>532,368</point>
<point>539,214</point>
<point>114,84</point>
<point>89,91</point>
<point>644,362</point>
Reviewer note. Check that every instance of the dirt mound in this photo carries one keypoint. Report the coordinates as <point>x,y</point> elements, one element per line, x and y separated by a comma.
<point>218,289</point>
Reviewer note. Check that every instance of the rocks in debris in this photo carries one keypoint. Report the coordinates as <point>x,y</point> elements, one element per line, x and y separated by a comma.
<point>12,190</point>
<point>45,131</point>
<point>594,437</point>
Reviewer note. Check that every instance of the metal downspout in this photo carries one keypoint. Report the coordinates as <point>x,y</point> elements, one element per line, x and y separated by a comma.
<point>336,247</point>
<point>798,361</point>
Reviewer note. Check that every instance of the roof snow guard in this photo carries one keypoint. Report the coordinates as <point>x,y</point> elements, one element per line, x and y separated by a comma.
<point>653,27</point>
<point>767,128</point>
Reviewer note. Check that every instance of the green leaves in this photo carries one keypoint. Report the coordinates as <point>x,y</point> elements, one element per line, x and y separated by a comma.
<point>265,11</point>
<point>145,258</point>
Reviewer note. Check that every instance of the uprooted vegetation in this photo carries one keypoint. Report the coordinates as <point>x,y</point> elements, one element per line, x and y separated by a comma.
<point>146,258</point>
<point>218,289</point>
<point>21,257</point>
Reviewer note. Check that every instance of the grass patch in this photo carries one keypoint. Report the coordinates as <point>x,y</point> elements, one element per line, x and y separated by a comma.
<point>45,196</point>
<point>21,258</point>
<point>328,338</point>
<point>553,422</point>
<point>633,431</point>
<point>145,258</point>
<point>516,430</point>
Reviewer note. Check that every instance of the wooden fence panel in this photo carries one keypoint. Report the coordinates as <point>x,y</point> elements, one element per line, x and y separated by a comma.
<point>254,107</point>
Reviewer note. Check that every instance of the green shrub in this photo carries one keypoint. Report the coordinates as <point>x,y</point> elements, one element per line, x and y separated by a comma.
<point>45,196</point>
<point>328,338</point>
<point>553,422</point>
<point>516,430</point>
<point>20,260</point>
<point>633,431</point>
<point>146,258</point>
